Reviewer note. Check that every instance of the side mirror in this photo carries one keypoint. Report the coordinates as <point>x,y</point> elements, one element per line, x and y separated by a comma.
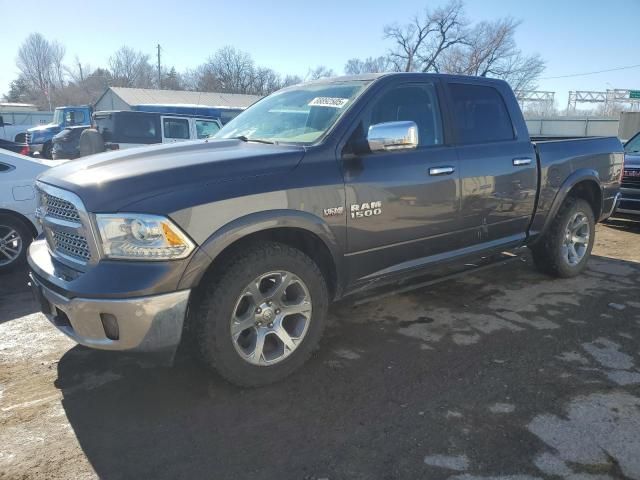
<point>392,136</point>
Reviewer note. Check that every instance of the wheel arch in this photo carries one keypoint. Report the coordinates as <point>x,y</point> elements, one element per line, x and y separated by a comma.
<point>301,230</point>
<point>583,183</point>
<point>25,221</point>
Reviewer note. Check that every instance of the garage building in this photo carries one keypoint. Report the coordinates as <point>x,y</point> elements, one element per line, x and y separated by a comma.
<point>121,98</point>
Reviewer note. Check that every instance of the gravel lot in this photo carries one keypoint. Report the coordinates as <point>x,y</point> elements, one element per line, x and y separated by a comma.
<point>502,374</point>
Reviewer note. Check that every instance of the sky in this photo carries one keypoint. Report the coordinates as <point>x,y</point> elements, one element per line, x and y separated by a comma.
<point>290,36</point>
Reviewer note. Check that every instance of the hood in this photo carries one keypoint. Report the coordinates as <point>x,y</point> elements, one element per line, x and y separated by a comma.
<point>108,181</point>
<point>43,128</point>
<point>632,160</point>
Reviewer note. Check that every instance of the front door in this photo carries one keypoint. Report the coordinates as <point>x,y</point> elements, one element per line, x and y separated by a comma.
<point>402,206</point>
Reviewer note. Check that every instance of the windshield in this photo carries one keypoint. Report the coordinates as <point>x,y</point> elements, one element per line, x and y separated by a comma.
<point>58,116</point>
<point>633,145</point>
<point>297,115</point>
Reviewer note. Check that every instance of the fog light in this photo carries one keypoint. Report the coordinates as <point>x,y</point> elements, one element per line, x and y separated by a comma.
<point>110,325</point>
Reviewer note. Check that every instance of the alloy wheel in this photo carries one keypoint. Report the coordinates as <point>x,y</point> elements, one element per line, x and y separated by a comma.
<point>271,318</point>
<point>10,245</point>
<point>576,240</point>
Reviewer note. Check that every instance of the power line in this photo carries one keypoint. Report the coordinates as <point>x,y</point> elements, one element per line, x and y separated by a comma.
<point>591,73</point>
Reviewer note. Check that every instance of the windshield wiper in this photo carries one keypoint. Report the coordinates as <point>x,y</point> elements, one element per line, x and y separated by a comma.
<point>257,140</point>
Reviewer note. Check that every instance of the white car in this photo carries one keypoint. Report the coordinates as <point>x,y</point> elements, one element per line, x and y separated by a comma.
<point>18,225</point>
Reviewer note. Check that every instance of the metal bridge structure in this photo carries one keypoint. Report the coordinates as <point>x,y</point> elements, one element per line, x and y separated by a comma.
<point>610,98</point>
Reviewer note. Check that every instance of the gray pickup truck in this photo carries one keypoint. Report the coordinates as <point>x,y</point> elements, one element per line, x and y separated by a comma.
<point>320,190</point>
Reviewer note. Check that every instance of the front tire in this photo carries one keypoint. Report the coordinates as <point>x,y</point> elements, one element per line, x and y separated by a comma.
<point>47,151</point>
<point>15,238</point>
<point>261,317</point>
<point>566,247</point>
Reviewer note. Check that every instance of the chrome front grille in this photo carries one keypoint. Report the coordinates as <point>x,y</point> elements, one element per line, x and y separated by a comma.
<point>59,208</point>
<point>72,245</point>
<point>67,226</point>
<point>631,178</point>
<point>27,137</point>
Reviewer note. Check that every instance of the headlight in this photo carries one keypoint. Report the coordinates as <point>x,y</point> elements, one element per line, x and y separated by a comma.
<point>143,237</point>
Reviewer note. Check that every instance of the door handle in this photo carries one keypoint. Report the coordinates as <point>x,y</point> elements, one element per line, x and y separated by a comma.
<point>441,170</point>
<point>519,162</point>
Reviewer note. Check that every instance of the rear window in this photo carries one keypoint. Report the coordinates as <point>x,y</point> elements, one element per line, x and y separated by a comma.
<point>129,127</point>
<point>481,115</point>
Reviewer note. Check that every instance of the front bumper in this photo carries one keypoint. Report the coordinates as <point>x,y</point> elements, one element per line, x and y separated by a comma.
<point>629,202</point>
<point>35,147</point>
<point>148,323</point>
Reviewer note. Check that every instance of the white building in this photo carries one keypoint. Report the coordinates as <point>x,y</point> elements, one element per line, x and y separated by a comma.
<point>120,98</point>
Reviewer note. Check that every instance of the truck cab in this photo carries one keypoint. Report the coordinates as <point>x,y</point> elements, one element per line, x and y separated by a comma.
<point>40,139</point>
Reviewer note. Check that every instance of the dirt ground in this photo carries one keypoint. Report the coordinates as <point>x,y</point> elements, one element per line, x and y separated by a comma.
<point>502,374</point>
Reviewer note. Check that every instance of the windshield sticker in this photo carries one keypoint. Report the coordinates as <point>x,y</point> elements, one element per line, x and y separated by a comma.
<point>334,102</point>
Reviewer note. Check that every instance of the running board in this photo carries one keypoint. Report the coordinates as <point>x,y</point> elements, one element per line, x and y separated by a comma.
<point>422,281</point>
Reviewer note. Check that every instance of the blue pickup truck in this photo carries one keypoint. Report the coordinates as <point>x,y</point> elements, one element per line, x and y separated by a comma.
<point>40,139</point>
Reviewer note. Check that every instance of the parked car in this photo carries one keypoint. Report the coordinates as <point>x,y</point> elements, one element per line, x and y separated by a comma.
<point>12,133</point>
<point>241,241</point>
<point>66,144</point>
<point>630,200</point>
<point>119,130</point>
<point>18,225</point>
<point>21,148</point>
<point>40,139</point>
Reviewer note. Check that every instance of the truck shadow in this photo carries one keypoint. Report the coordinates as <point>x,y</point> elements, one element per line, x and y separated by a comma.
<point>365,398</point>
<point>624,224</point>
<point>15,298</point>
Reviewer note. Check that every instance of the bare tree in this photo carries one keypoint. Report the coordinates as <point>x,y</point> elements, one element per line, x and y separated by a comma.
<point>291,80</point>
<point>131,68</point>
<point>319,72</point>
<point>57,68</point>
<point>357,66</point>
<point>419,44</point>
<point>449,27</point>
<point>492,51</point>
<point>36,61</point>
<point>233,69</point>
<point>265,81</point>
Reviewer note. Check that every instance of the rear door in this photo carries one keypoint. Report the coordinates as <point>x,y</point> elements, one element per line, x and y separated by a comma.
<point>175,129</point>
<point>498,172</point>
<point>402,206</point>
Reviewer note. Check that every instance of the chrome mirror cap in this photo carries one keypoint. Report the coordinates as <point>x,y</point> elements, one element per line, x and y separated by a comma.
<point>392,136</point>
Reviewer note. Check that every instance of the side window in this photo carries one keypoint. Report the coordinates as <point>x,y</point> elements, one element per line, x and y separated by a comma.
<point>132,127</point>
<point>74,117</point>
<point>79,118</point>
<point>177,128</point>
<point>418,103</point>
<point>206,128</point>
<point>481,115</point>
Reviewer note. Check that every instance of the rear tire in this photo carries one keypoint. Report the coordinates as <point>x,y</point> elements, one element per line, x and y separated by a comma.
<point>47,149</point>
<point>15,238</point>
<point>565,248</point>
<point>91,142</point>
<point>262,314</point>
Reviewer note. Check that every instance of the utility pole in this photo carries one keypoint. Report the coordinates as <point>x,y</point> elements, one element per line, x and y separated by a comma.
<point>159,74</point>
